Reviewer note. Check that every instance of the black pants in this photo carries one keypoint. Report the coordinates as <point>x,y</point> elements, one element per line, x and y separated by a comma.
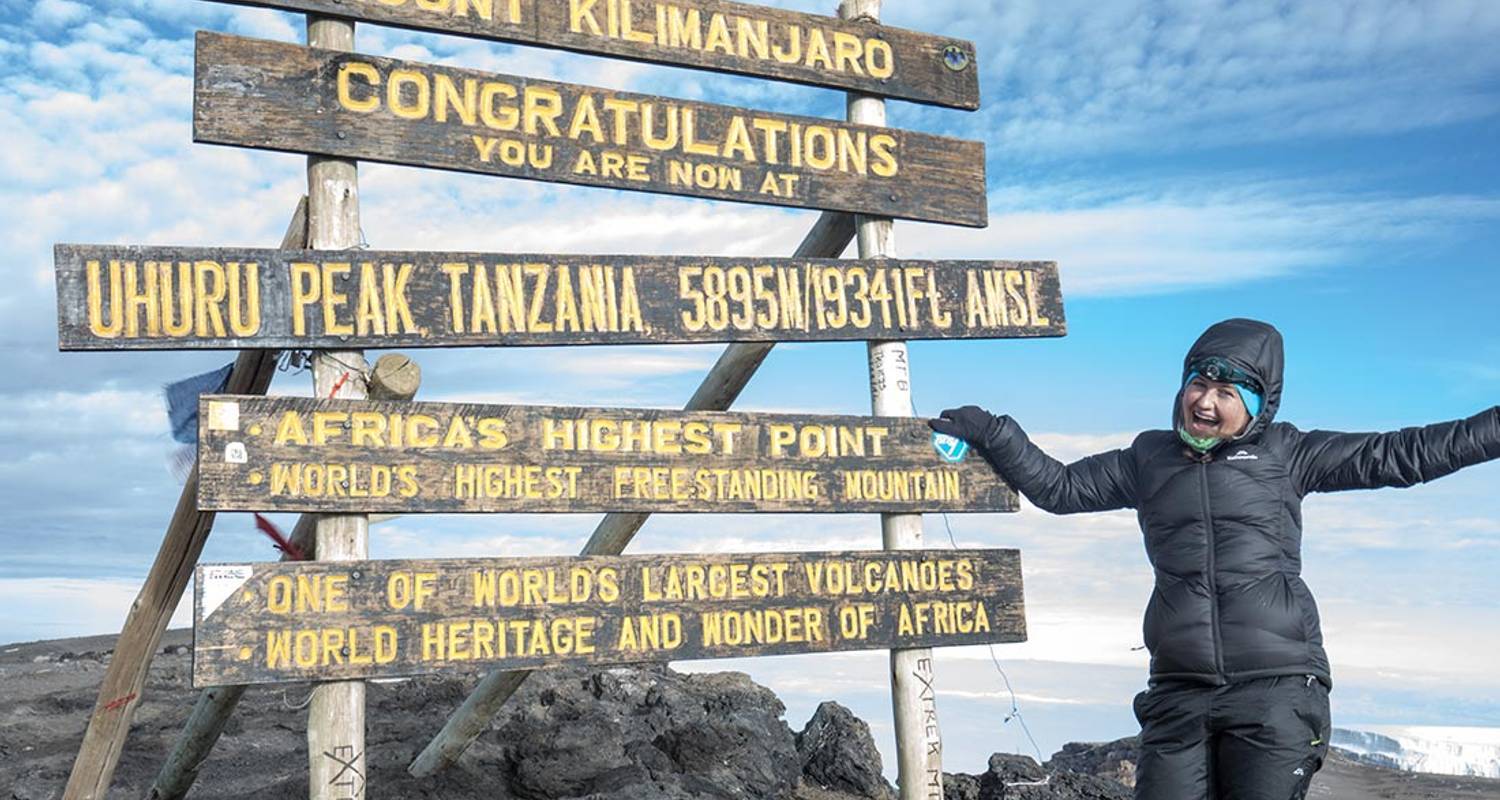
<point>1258,740</point>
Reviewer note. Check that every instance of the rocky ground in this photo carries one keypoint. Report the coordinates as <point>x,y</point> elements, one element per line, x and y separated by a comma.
<point>620,733</point>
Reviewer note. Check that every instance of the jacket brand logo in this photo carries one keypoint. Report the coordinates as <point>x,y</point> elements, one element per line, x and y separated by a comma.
<point>1243,456</point>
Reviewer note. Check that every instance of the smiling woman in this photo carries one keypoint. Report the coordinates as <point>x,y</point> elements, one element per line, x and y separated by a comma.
<point>1216,410</point>
<point>1237,705</point>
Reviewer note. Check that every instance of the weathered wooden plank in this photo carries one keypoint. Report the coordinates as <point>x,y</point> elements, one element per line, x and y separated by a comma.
<point>276,96</point>
<point>267,623</point>
<point>327,455</point>
<point>121,297</point>
<point>715,35</point>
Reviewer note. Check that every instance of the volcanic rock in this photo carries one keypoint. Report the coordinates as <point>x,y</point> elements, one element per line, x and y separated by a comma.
<point>958,786</point>
<point>647,733</point>
<point>1015,777</point>
<point>567,734</point>
<point>1114,760</point>
<point>837,752</point>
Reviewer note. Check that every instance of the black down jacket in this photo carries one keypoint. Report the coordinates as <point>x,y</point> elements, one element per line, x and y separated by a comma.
<point>1223,530</point>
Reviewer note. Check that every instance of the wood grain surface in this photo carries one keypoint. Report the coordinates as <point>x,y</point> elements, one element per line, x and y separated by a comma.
<point>714,35</point>
<point>117,297</point>
<point>268,623</point>
<point>276,96</point>
<point>330,456</point>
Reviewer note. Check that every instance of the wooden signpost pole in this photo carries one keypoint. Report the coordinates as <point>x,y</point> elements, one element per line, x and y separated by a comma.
<point>718,391</point>
<point>125,679</point>
<point>336,715</point>
<point>395,377</point>
<point>919,746</point>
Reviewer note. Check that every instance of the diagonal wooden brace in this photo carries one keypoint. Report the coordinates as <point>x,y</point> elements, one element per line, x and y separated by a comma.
<point>125,679</point>
<point>827,239</point>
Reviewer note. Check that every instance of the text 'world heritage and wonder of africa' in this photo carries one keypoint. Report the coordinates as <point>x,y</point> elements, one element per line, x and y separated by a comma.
<point>293,621</point>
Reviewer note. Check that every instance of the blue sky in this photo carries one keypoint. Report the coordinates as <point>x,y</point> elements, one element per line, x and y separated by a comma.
<point>1329,167</point>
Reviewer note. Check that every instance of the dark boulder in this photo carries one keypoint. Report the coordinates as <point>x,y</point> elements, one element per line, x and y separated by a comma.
<point>1007,774</point>
<point>1114,760</point>
<point>629,733</point>
<point>958,786</point>
<point>1014,777</point>
<point>837,752</point>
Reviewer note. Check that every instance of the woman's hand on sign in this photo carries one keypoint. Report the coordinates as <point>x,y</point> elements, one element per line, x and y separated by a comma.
<point>970,423</point>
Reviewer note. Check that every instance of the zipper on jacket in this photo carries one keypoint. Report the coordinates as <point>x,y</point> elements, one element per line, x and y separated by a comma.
<point>1213,583</point>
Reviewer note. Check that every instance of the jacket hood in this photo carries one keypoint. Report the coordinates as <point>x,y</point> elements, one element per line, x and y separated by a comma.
<point>1250,345</point>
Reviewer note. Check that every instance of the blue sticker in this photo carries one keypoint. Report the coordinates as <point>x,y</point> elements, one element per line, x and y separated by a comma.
<point>951,448</point>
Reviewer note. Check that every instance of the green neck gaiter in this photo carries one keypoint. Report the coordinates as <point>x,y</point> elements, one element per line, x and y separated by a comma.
<point>1201,445</point>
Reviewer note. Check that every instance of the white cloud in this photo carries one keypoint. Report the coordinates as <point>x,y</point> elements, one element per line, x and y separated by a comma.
<point>93,606</point>
<point>266,24</point>
<point>1069,447</point>
<point>1162,240</point>
<point>1432,646</point>
<point>1077,77</point>
<point>57,13</point>
<point>103,415</point>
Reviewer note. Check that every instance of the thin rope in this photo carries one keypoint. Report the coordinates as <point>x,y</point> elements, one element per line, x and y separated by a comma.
<point>1015,705</point>
<point>290,706</point>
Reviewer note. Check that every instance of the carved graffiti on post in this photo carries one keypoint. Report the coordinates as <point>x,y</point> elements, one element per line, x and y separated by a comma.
<point>304,454</point>
<point>707,34</point>
<point>297,621</point>
<point>114,297</point>
<point>349,777</point>
<point>270,95</point>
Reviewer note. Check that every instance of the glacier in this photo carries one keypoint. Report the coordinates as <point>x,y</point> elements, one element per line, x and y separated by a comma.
<point>1471,752</point>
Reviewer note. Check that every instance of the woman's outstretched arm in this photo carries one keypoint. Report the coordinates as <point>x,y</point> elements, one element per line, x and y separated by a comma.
<point>1329,461</point>
<point>1099,482</point>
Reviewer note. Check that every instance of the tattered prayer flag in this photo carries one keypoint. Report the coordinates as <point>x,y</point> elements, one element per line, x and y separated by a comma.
<point>281,540</point>
<point>182,401</point>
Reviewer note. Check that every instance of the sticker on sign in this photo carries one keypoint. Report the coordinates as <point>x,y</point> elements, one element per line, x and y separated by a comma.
<point>219,583</point>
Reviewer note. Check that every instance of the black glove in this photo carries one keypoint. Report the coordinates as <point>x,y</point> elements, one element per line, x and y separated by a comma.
<point>970,423</point>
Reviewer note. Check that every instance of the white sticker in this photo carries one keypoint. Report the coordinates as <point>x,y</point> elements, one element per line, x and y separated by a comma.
<point>223,415</point>
<point>219,583</point>
<point>234,453</point>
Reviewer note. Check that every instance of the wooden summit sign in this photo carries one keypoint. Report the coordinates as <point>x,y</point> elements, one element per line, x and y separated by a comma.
<point>303,621</point>
<point>255,93</point>
<point>707,34</point>
<point>119,297</point>
<point>335,456</point>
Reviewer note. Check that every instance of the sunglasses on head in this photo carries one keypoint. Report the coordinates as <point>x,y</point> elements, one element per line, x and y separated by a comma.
<point>1221,371</point>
